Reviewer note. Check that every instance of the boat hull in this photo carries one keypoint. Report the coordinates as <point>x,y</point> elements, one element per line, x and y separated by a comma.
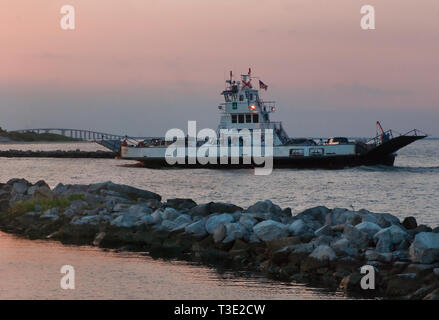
<point>336,162</point>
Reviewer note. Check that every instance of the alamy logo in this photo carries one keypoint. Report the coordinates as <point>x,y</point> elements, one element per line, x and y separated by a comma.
<point>251,147</point>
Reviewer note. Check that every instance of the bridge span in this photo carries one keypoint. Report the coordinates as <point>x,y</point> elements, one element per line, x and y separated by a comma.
<point>108,140</point>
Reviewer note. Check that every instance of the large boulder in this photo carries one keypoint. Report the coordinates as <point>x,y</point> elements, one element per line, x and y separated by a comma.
<point>298,228</point>
<point>410,223</point>
<point>213,207</point>
<point>317,214</point>
<point>170,214</point>
<point>181,204</point>
<point>197,229</point>
<point>129,192</point>
<point>356,237</point>
<point>234,231</point>
<point>214,221</point>
<point>368,227</point>
<point>270,230</point>
<point>323,252</point>
<point>343,247</point>
<point>247,221</point>
<point>127,220</point>
<point>264,206</point>
<point>397,234</point>
<point>425,248</point>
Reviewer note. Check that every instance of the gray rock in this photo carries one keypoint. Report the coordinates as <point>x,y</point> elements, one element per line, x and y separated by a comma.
<point>247,221</point>
<point>168,225</point>
<point>410,223</point>
<point>181,204</point>
<point>219,233</point>
<point>91,220</point>
<point>264,206</point>
<point>157,216</point>
<point>369,228</point>
<point>234,231</point>
<point>183,218</point>
<point>324,231</point>
<point>170,214</point>
<point>372,255</point>
<point>397,234</point>
<point>131,192</point>
<point>425,248</point>
<point>384,243</point>
<point>270,230</point>
<point>323,253</point>
<point>19,187</point>
<point>197,229</point>
<point>139,208</point>
<point>318,214</point>
<point>216,220</point>
<point>356,237</point>
<point>127,220</point>
<point>342,247</point>
<point>145,219</point>
<point>298,228</point>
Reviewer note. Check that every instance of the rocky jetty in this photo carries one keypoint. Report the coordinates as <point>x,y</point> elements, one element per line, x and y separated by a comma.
<point>58,154</point>
<point>319,246</point>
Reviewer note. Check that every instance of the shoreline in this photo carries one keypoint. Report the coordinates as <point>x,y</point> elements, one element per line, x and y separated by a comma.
<point>58,154</point>
<point>319,246</point>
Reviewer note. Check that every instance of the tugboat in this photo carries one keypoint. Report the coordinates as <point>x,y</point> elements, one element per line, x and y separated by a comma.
<point>243,109</point>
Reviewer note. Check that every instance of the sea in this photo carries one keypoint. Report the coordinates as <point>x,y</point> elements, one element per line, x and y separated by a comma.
<point>30,269</point>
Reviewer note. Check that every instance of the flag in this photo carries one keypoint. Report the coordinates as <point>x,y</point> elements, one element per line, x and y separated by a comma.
<point>262,85</point>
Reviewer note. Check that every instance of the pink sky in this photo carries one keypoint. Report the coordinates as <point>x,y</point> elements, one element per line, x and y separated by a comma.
<point>175,53</point>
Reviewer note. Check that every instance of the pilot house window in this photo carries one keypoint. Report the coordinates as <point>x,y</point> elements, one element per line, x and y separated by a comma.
<point>248,118</point>
<point>255,118</point>
<point>241,118</point>
<point>234,118</point>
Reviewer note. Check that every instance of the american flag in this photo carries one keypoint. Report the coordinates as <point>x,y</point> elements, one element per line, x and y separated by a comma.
<point>262,85</point>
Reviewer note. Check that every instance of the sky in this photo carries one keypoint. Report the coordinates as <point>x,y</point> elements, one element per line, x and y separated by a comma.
<point>141,67</point>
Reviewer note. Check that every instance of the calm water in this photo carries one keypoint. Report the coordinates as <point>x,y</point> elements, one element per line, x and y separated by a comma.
<point>30,269</point>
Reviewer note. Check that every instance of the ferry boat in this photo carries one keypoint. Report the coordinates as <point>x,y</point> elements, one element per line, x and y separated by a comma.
<point>243,108</point>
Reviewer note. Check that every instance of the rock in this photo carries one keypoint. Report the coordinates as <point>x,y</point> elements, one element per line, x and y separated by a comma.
<point>410,223</point>
<point>20,187</point>
<point>139,208</point>
<point>323,231</point>
<point>197,229</point>
<point>372,255</point>
<point>98,239</point>
<point>425,248</point>
<point>435,230</point>
<point>247,221</point>
<point>270,230</point>
<point>323,253</point>
<point>423,228</point>
<point>181,204</point>
<point>131,192</point>
<point>183,218</point>
<point>384,243</point>
<point>213,207</point>
<point>214,221</point>
<point>434,295</point>
<point>51,214</point>
<point>298,228</point>
<point>219,233</point>
<point>157,216</point>
<point>234,231</point>
<point>146,220</point>
<point>397,234</point>
<point>359,238</point>
<point>4,205</point>
<point>126,220</point>
<point>351,283</point>
<point>88,220</point>
<point>170,214</point>
<point>264,206</point>
<point>369,228</point>
<point>317,214</point>
<point>342,247</point>
<point>342,216</point>
<point>77,206</point>
<point>278,244</point>
<point>168,225</point>
<point>402,284</point>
